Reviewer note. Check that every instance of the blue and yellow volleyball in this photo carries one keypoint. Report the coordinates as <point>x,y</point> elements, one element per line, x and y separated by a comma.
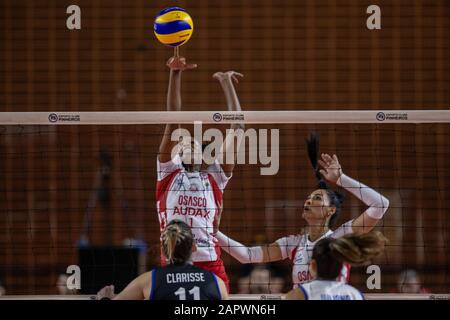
<point>173,26</point>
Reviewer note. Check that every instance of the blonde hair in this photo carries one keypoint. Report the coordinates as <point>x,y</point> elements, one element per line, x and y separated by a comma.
<point>358,249</point>
<point>177,241</point>
<point>330,253</point>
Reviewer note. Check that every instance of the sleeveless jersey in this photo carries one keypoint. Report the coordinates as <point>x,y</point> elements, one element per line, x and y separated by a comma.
<point>196,199</point>
<point>329,290</point>
<point>185,282</point>
<point>298,248</point>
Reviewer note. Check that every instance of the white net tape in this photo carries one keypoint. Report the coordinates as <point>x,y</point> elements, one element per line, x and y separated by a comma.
<point>257,117</point>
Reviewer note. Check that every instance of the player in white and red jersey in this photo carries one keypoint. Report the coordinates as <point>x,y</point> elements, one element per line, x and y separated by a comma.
<point>321,210</point>
<point>328,257</point>
<point>192,191</point>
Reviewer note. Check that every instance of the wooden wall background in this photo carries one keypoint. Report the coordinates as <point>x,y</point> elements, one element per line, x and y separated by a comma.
<point>308,55</point>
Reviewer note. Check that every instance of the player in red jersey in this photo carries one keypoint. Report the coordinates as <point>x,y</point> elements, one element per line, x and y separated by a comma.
<point>192,191</point>
<point>321,210</point>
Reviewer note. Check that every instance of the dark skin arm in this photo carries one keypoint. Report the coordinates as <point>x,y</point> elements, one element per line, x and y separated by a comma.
<point>226,80</point>
<point>176,65</point>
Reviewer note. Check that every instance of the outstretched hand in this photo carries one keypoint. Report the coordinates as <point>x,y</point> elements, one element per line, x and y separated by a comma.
<point>229,75</point>
<point>107,292</point>
<point>331,168</point>
<point>179,63</point>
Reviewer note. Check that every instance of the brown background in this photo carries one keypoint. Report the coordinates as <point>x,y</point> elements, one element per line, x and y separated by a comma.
<point>305,55</point>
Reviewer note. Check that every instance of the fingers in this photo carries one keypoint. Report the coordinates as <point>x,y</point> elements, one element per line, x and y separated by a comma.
<point>111,289</point>
<point>335,158</point>
<point>173,60</point>
<point>169,62</point>
<point>323,172</point>
<point>326,157</point>
<point>107,288</point>
<point>217,75</point>
<point>174,64</point>
<point>106,292</point>
<point>234,73</point>
<point>322,164</point>
<point>179,63</point>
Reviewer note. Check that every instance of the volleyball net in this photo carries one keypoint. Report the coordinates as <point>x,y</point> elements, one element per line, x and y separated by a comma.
<point>241,297</point>
<point>78,189</point>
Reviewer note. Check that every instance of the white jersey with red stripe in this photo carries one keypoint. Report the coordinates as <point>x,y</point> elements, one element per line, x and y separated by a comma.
<point>329,290</point>
<point>298,248</point>
<point>195,198</point>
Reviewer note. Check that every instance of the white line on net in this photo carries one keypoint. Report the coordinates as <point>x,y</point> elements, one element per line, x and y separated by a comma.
<point>224,117</point>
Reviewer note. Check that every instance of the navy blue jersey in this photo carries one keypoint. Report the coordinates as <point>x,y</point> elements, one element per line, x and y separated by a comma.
<point>184,282</point>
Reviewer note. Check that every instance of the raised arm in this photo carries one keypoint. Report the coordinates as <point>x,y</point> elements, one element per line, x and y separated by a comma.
<point>177,65</point>
<point>226,81</point>
<point>257,254</point>
<point>376,202</point>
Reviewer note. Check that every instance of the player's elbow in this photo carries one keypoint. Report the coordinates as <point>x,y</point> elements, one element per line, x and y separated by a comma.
<point>385,205</point>
<point>244,260</point>
<point>379,208</point>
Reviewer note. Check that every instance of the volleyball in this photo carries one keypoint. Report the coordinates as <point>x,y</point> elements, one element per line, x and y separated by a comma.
<point>173,26</point>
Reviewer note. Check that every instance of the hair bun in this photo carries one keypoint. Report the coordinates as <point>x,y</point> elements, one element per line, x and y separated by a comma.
<point>340,196</point>
<point>322,184</point>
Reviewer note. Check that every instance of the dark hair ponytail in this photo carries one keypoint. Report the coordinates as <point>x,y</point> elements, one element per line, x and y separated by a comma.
<point>336,198</point>
<point>313,146</point>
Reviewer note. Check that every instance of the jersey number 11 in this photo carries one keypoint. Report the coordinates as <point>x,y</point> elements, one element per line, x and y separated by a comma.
<point>181,293</point>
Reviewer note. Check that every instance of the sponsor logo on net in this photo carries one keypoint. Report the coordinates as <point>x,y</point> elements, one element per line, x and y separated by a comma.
<point>218,117</point>
<point>381,116</point>
<point>54,117</point>
<point>271,297</point>
<point>439,297</point>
